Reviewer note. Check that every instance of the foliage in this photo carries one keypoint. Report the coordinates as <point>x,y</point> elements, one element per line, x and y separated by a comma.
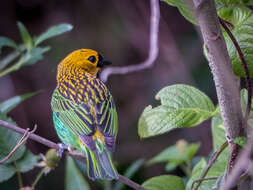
<point>181,106</point>
<point>24,54</point>
<point>74,178</point>
<point>242,19</point>
<point>29,52</point>
<point>178,155</point>
<point>22,160</point>
<point>164,182</point>
<point>185,106</point>
<point>185,8</point>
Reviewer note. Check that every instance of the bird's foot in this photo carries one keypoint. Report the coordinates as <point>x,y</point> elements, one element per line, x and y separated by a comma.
<point>62,148</point>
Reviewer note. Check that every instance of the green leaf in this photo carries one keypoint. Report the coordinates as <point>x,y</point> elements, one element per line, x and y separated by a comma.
<point>177,154</point>
<point>185,7</point>
<point>8,140</point>
<point>244,102</point>
<point>216,170</point>
<point>73,177</point>
<point>35,55</point>
<point>4,41</point>
<point>182,106</point>
<point>164,182</point>
<point>170,166</point>
<point>26,37</point>
<point>8,59</point>
<point>27,161</point>
<point>235,2</point>
<point>8,105</point>
<point>241,141</point>
<point>242,19</point>
<point>219,137</point>
<point>53,31</point>
<point>131,170</point>
<point>6,172</point>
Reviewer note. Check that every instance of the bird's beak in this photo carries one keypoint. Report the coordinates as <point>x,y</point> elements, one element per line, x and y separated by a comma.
<point>102,61</point>
<point>106,62</point>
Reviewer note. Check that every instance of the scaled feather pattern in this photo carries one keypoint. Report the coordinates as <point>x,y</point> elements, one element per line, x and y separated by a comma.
<point>84,112</point>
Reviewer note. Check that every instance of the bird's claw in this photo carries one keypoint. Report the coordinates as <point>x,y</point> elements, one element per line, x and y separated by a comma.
<point>62,148</point>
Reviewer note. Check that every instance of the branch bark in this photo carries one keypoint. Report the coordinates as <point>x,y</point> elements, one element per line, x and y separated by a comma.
<point>219,62</point>
<point>53,145</point>
<point>153,47</point>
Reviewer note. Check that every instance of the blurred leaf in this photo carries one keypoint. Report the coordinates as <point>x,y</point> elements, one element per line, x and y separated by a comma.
<point>182,106</point>
<point>219,137</point>
<point>8,105</point>
<point>164,182</point>
<point>177,154</point>
<point>234,2</point>
<point>27,161</point>
<point>185,7</point>
<point>26,37</point>
<point>4,41</point>
<point>8,140</point>
<point>216,170</point>
<point>242,19</point>
<point>74,180</point>
<point>35,55</point>
<point>8,59</point>
<point>6,172</point>
<point>170,166</point>
<point>131,170</point>
<point>244,102</point>
<point>219,182</point>
<point>241,141</point>
<point>53,31</point>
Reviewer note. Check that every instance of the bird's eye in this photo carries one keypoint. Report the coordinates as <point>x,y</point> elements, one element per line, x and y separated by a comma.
<point>92,59</point>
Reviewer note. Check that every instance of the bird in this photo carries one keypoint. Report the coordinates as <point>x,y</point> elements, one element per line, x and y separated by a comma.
<point>84,112</point>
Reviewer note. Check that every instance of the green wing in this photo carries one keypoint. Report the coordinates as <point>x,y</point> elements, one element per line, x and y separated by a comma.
<point>107,118</point>
<point>76,117</point>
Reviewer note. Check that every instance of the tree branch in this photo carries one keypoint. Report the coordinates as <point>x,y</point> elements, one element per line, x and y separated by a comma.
<point>219,62</point>
<point>53,145</point>
<point>245,67</point>
<point>153,47</point>
<point>20,142</point>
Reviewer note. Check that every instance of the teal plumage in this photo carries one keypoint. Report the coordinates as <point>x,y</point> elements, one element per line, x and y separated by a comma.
<point>84,112</point>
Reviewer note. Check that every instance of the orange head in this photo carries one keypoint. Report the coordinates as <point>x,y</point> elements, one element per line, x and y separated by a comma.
<point>80,62</point>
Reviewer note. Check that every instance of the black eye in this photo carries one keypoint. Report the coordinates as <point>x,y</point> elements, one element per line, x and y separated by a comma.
<point>92,59</point>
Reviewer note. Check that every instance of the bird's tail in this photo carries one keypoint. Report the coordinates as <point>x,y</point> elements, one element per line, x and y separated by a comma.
<point>100,164</point>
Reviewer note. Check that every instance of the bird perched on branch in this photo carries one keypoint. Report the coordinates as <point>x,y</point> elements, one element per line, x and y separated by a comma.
<point>84,112</point>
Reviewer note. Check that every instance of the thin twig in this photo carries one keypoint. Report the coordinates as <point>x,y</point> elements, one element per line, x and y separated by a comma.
<point>153,46</point>
<point>210,163</point>
<point>130,183</point>
<point>203,179</point>
<point>245,67</point>
<point>53,145</point>
<point>20,142</point>
<point>38,177</point>
<point>226,22</point>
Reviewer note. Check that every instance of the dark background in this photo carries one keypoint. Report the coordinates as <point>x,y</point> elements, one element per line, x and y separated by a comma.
<point>119,29</point>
